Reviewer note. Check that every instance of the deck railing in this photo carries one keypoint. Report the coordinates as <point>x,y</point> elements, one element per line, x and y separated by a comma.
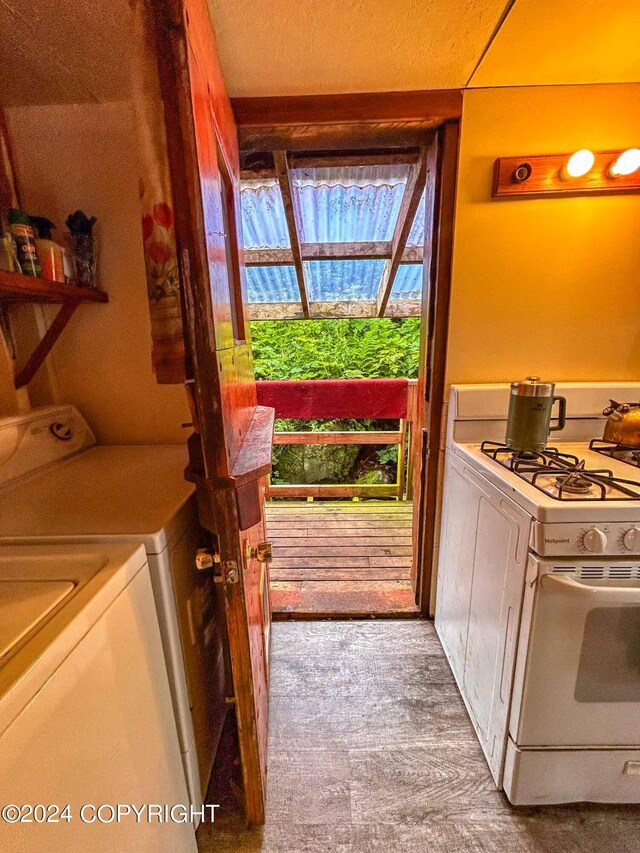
<point>313,400</point>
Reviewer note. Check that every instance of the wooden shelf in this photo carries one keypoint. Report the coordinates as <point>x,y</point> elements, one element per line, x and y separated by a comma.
<point>15,287</point>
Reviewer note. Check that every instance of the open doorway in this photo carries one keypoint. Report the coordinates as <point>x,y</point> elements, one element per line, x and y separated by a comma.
<point>334,247</point>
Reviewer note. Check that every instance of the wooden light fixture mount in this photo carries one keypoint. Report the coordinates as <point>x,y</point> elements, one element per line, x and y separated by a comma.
<point>542,175</point>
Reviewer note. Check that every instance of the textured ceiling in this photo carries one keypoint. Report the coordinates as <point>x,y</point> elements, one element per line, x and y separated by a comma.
<point>73,51</point>
<point>564,41</point>
<point>293,47</point>
<point>67,51</point>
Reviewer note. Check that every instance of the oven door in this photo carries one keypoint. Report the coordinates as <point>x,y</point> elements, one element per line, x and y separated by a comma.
<point>578,671</point>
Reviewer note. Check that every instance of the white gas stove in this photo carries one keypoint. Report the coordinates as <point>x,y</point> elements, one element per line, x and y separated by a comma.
<point>538,599</point>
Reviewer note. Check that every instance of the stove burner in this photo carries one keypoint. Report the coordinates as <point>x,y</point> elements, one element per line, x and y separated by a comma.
<point>563,476</point>
<point>524,456</point>
<point>574,484</point>
<point>630,455</point>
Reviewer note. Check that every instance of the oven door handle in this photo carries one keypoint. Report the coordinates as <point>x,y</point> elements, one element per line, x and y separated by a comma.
<point>605,594</point>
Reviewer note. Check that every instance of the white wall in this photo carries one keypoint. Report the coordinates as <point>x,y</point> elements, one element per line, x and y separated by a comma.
<point>70,157</point>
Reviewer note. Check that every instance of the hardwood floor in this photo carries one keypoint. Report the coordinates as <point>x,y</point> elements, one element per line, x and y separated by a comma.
<point>371,749</point>
<point>340,559</point>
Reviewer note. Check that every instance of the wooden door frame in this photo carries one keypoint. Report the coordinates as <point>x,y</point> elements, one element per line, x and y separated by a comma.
<point>433,356</point>
<point>394,119</point>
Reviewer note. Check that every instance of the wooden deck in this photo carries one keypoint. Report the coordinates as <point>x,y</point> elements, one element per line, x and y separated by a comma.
<point>341,559</point>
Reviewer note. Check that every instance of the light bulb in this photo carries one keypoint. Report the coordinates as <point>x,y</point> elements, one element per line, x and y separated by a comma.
<point>626,163</point>
<point>578,164</point>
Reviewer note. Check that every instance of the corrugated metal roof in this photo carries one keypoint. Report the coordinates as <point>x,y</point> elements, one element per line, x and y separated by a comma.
<point>348,205</point>
<point>272,284</point>
<point>408,282</point>
<point>263,222</point>
<point>416,235</point>
<point>329,281</point>
<point>335,205</point>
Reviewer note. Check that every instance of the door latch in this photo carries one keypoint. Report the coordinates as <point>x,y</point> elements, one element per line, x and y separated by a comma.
<point>206,558</point>
<point>263,552</point>
<point>223,572</point>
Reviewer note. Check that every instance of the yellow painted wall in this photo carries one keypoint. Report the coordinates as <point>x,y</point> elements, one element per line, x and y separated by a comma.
<point>549,286</point>
<point>70,157</point>
<point>8,398</point>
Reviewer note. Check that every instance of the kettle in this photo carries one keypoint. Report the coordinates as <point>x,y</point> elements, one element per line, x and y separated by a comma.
<point>623,424</point>
<point>529,418</point>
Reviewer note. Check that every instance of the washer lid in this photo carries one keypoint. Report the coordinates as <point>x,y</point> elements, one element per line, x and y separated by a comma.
<point>24,604</point>
<point>131,493</point>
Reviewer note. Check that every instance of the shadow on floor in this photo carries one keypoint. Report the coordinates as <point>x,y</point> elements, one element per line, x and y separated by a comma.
<point>371,749</point>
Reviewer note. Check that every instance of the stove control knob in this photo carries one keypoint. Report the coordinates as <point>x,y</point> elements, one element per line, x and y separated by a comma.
<point>631,540</point>
<point>595,540</point>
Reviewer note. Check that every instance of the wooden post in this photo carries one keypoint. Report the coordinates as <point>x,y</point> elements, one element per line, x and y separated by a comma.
<point>286,190</point>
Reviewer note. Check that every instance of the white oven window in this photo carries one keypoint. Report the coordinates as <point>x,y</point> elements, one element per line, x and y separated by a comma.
<point>609,667</point>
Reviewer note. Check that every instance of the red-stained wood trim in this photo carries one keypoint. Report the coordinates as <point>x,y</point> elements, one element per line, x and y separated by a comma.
<point>436,105</point>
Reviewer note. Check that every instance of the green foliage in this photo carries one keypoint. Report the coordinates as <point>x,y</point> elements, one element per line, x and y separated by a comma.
<point>336,349</point>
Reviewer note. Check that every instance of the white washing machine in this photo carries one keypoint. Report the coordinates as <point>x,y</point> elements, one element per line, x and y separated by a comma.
<point>58,486</point>
<point>86,717</point>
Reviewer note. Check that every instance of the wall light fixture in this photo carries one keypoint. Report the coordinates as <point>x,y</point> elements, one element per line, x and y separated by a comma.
<point>583,172</point>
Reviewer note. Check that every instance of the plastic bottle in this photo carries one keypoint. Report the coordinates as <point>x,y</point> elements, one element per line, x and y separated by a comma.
<point>49,252</point>
<point>26,249</point>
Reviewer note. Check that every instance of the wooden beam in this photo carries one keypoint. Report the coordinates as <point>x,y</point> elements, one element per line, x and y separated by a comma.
<point>43,349</point>
<point>335,251</point>
<point>359,437</point>
<point>268,257</point>
<point>254,166</point>
<point>257,174</point>
<point>436,105</point>
<point>286,191</point>
<point>410,200</point>
<point>333,491</point>
<point>362,135</point>
<point>349,159</point>
<point>356,308</point>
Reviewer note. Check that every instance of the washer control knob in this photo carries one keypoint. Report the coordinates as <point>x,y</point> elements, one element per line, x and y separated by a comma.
<point>62,431</point>
<point>595,540</point>
<point>631,540</point>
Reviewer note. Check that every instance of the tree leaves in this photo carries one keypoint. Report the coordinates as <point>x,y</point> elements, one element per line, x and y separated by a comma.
<point>336,349</point>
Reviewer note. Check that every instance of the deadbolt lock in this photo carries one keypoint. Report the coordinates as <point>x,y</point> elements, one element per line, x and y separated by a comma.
<point>263,552</point>
<point>223,571</point>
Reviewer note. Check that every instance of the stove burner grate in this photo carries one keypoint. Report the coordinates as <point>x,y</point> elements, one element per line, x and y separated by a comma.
<point>620,452</point>
<point>571,478</point>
